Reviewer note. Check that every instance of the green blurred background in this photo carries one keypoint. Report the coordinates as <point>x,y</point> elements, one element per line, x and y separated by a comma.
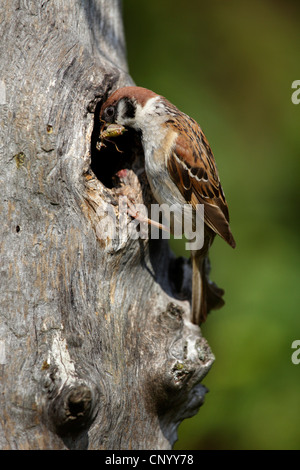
<point>230,65</point>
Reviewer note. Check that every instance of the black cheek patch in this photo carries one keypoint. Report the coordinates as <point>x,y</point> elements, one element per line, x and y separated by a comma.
<point>129,111</point>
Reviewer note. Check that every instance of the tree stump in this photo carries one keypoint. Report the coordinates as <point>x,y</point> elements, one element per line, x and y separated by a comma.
<point>97,349</point>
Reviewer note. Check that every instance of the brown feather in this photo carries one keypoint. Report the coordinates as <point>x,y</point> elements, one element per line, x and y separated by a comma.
<point>192,164</point>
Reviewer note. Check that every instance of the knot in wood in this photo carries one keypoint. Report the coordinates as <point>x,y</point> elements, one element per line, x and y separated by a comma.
<point>71,411</point>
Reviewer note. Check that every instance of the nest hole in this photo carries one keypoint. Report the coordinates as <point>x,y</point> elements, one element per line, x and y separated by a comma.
<point>115,154</point>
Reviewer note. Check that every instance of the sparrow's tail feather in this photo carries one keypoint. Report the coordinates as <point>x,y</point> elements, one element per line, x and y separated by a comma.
<point>199,301</point>
<point>206,295</point>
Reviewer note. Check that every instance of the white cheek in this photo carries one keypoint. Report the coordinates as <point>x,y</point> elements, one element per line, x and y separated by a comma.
<point>120,113</point>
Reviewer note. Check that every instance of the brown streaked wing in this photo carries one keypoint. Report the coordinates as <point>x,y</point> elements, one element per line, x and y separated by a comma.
<point>192,167</point>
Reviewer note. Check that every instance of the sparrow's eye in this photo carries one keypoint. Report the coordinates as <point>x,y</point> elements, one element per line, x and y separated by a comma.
<point>109,113</point>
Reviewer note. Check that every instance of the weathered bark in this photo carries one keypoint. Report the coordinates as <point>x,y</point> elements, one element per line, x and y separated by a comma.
<point>97,347</point>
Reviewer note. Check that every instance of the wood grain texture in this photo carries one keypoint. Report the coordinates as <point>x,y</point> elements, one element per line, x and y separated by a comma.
<point>100,352</point>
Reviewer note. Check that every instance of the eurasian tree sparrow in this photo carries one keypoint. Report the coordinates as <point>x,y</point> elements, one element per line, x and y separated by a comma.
<point>180,168</point>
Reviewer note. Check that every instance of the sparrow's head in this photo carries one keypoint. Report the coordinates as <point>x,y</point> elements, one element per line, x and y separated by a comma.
<point>132,107</point>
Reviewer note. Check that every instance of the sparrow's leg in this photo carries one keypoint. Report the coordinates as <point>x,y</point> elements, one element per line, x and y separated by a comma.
<point>126,190</point>
<point>131,210</point>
